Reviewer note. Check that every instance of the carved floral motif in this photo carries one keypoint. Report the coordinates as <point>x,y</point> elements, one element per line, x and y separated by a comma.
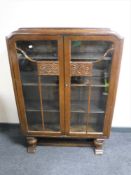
<point>78,69</point>
<point>48,68</point>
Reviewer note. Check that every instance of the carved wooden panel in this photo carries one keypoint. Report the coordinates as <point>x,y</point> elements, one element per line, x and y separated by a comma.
<point>81,69</point>
<point>48,68</point>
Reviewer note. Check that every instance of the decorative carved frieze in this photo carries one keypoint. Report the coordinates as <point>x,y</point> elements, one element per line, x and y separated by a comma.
<point>81,69</point>
<point>48,68</point>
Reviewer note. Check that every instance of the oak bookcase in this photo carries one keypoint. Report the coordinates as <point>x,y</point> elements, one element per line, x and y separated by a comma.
<point>65,82</point>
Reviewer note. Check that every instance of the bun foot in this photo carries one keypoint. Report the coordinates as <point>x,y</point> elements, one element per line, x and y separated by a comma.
<point>98,146</point>
<point>32,142</point>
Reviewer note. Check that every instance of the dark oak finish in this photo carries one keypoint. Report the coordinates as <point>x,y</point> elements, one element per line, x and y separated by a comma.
<point>65,82</point>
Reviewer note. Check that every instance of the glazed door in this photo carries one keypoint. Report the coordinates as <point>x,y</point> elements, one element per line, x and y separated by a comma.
<point>88,62</point>
<point>40,60</point>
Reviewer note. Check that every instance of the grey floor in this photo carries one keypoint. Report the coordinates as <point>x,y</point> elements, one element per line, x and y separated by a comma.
<point>14,160</point>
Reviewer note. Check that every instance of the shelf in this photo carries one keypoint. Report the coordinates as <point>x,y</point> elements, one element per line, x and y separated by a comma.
<point>55,85</point>
<point>31,78</point>
<point>87,85</point>
<point>81,107</point>
<point>78,128</point>
<point>40,57</point>
<point>83,128</point>
<point>74,56</point>
<point>88,56</point>
<point>43,84</point>
<point>75,128</point>
<point>47,127</point>
<point>34,106</point>
<point>51,106</point>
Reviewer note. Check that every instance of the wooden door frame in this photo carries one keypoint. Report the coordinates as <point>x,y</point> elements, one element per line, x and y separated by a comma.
<point>17,84</point>
<point>116,60</point>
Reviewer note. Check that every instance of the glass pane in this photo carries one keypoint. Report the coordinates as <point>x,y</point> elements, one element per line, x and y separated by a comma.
<point>89,90</point>
<point>28,72</point>
<point>98,100</point>
<point>38,50</point>
<point>78,122</point>
<point>95,123</point>
<point>80,81</point>
<point>50,94</point>
<point>51,120</point>
<point>79,98</point>
<point>31,97</point>
<point>41,93</point>
<point>79,103</point>
<point>34,120</point>
<point>89,50</point>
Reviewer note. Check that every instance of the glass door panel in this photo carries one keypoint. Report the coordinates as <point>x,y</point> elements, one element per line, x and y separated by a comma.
<point>90,66</point>
<point>40,76</point>
<point>39,49</point>
<point>89,50</point>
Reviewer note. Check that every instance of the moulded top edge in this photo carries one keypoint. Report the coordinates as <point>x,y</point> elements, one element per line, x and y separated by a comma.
<point>65,28</point>
<point>66,31</point>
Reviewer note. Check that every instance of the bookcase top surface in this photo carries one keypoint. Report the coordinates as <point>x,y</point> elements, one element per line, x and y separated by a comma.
<point>66,31</point>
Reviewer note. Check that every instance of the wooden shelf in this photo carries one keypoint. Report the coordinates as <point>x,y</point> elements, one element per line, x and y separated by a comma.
<point>74,56</point>
<point>47,127</point>
<point>88,56</point>
<point>40,57</point>
<point>34,106</point>
<point>85,128</point>
<point>78,128</point>
<point>43,84</point>
<point>87,85</point>
<point>72,85</point>
<point>74,128</point>
<point>81,107</point>
<point>51,106</point>
<point>31,79</point>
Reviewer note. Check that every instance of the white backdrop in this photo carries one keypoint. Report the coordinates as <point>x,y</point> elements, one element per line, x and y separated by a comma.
<point>114,14</point>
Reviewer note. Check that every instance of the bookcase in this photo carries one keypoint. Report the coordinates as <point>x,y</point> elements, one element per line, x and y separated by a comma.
<point>65,82</point>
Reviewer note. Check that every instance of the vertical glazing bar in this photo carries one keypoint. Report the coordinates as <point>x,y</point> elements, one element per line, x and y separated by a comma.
<point>61,84</point>
<point>89,103</point>
<point>41,100</point>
